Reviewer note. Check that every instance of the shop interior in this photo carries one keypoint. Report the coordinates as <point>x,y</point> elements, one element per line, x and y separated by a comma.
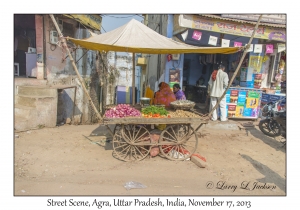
<point>197,68</point>
<point>24,44</point>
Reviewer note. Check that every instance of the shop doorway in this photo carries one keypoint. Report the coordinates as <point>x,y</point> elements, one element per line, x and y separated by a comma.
<point>24,45</point>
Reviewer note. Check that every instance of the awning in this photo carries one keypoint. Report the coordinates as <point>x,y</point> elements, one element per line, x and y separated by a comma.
<point>228,26</point>
<point>92,21</point>
<point>135,37</point>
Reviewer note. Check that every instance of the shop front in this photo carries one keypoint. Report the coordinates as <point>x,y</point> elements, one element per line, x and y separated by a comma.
<point>261,73</point>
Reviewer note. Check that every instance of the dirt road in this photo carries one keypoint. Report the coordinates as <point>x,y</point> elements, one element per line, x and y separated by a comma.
<point>67,160</point>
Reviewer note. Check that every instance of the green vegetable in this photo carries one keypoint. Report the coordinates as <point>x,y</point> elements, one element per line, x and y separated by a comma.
<point>155,110</point>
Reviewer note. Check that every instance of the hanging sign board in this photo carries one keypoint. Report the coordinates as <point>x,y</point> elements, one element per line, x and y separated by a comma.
<point>269,48</point>
<point>225,42</point>
<point>280,47</point>
<point>184,35</point>
<point>250,48</point>
<point>197,35</point>
<point>238,44</point>
<point>258,48</point>
<point>213,40</point>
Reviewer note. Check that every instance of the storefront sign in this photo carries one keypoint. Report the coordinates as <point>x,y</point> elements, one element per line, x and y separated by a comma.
<point>269,48</point>
<point>213,40</point>
<point>274,18</point>
<point>257,48</point>
<point>229,27</point>
<point>197,35</point>
<point>225,42</point>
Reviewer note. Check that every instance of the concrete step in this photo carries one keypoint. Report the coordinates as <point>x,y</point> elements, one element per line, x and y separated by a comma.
<point>36,91</point>
<point>21,123</point>
<point>24,111</point>
<point>30,101</point>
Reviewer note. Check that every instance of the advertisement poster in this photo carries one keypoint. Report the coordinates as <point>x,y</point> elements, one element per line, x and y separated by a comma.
<point>231,110</point>
<point>255,112</point>
<point>253,94</point>
<point>243,103</point>
<point>213,40</point>
<point>174,77</point>
<point>239,111</point>
<point>252,103</point>
<point>255,63</point>
<point>252,99</point>
<point>269,48</point>
<point>258,48</point>
<point>237,44</point>
<point>234,96</point>
<point>247,112</point>
<point>242,97</point>
<point>171,84</point>
<point>228,96</point>
<point>197,35</point>
<point>225,43</point>
<point>257,80</point>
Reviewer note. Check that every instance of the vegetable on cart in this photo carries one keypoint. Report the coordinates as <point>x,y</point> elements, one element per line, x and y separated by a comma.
<point>133,139</point>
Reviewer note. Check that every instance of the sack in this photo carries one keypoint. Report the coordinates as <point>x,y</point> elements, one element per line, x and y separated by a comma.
<point>161,127</point>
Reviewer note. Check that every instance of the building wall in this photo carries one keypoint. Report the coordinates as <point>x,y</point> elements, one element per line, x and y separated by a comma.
<point>59,71</point>
<point>155,70</point>
<point>122,62</point>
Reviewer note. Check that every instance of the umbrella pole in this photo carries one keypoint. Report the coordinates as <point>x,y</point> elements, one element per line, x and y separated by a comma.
<point>63,41</point>
<point>238,67</point>
<point>133,79</point>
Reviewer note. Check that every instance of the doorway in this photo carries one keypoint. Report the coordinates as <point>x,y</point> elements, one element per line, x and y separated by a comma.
<point>24,44</point>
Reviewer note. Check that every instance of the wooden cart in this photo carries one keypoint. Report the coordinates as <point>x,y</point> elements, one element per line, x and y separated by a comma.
<point>132,142</point>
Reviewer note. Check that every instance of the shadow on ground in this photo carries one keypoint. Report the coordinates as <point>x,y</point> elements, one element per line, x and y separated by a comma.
<point>270,175</point>
<point>279,146</point>
<point>103,131</point>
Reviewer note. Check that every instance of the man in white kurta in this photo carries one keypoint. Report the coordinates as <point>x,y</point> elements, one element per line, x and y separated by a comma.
<point>216,87</point>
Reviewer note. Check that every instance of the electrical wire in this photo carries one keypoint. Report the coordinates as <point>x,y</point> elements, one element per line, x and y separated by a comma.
<point>103,28</point>
<point>51,47</point>
<point>140,16</point>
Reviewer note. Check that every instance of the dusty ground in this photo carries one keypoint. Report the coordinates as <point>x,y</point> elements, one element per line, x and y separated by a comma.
<point>66,160</point>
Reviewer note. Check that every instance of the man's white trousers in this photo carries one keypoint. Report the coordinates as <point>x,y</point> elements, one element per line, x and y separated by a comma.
<point>222,105</point>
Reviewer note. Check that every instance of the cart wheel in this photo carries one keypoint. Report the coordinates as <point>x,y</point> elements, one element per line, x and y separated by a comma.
<point>123,141</point>
<point>181,142</point>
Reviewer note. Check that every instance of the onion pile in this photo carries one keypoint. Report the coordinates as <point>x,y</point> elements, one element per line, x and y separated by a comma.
<point>122,110</point>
